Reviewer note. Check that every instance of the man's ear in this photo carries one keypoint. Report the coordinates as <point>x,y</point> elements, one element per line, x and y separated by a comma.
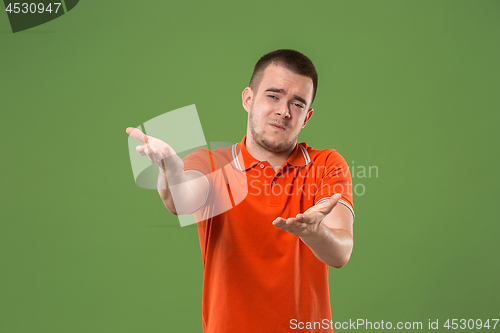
<point>308,116</point>
<point>246,98</point>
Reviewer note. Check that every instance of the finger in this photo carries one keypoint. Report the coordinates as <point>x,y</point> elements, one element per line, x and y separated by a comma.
<point>137,134</point>
<point>140,150</point>
<point>281,224</point>
<point>279,221</point>
<point>303,218</point>
<point>149,153</point>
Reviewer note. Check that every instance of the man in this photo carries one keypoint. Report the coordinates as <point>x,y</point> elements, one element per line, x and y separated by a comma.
<point>272,214</point>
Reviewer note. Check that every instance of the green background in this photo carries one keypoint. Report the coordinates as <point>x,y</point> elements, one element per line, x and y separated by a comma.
<point>411,87</point>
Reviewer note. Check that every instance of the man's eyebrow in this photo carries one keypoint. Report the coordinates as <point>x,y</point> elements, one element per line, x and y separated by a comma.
<point>282,91</point>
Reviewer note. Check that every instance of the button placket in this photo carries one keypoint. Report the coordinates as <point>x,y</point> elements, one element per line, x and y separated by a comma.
<point>275,197</point>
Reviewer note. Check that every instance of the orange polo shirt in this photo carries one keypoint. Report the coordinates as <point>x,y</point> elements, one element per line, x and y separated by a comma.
<point>257,277</point>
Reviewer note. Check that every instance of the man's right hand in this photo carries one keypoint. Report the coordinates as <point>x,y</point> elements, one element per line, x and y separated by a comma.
<point>157,151</point>
<point>181,192</point>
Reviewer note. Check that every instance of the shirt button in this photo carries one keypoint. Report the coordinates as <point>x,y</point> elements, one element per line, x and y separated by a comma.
<point>272,183</point>
<point>262,166</point>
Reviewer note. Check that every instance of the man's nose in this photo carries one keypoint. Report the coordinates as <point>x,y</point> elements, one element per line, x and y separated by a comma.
<point>283,111</point>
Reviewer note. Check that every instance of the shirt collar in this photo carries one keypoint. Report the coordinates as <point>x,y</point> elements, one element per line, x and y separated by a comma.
<point>245,161</point>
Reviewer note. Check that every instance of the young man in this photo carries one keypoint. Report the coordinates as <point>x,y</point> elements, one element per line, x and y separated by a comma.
<point>272,214</point>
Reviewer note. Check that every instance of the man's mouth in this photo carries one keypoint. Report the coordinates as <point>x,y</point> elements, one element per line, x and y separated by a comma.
<point>278,126</point>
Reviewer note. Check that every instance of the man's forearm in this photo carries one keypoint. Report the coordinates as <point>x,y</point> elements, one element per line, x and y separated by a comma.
<point>164,191</point>
<point>331,246</point>
<point>179,189</point>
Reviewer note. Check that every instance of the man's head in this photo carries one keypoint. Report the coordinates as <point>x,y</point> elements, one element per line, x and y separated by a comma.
<point>290,59</point>
<point>279,99</point>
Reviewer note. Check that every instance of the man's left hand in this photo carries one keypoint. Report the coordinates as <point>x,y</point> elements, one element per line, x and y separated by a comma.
<point>308,222</point>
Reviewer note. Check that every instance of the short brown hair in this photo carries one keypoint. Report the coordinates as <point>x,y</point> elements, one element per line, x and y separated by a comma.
<point>290,59</point>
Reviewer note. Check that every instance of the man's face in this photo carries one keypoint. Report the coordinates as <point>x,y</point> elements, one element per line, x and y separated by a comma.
<point>279,109</point>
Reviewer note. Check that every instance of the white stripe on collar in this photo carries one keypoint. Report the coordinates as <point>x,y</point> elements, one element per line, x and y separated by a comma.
<point>307,158</point>
<point>235,158</point>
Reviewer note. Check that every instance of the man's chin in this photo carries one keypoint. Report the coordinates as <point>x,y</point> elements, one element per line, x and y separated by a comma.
<point>275,146</point>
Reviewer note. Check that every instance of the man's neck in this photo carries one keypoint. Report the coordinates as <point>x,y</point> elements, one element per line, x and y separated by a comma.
<point>276,160</point>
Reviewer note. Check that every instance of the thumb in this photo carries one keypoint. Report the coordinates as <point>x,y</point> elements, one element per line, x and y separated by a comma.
<point>137,134</point>
<point>331,203</point>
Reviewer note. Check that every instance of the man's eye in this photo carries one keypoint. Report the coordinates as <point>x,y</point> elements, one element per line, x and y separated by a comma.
<point>299,105</point>
<point>272,96</point>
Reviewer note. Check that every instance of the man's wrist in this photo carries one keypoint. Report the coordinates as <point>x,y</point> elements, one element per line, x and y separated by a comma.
<point>171,173</point>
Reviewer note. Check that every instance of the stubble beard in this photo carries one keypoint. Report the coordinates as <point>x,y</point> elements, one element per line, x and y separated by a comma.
<point>264,142</point>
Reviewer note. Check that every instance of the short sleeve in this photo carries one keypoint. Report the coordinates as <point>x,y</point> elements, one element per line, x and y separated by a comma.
<point>336,179</point>
<point>199,160</point>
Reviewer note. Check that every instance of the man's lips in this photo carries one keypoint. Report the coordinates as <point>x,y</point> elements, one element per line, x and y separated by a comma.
<point>278,126</point>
